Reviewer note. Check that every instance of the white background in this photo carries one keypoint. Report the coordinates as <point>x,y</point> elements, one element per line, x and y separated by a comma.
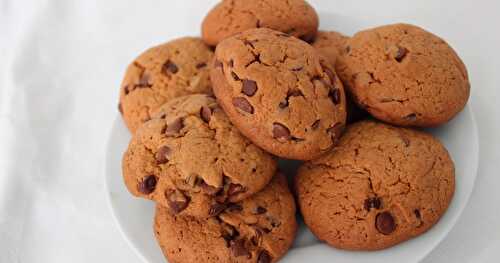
<point>61,63</point>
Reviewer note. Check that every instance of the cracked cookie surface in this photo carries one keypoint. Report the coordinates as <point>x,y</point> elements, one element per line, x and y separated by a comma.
<point>161,73</point>
<point>191,159</point>
<point>258,229</point>
<point>280,93</point>
<point>229,17</point>
<point>404,75</point>
<point>380,186</point>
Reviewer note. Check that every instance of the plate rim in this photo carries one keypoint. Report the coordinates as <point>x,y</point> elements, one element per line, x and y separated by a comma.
<point>436,242</point>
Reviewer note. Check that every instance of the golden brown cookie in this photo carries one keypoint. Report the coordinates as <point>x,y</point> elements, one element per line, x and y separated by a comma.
<point>279,93</point>
<point>191,159</point>
<point>330,44</point>
<point>295,17</point>
<point>405,75</point>
<point>380,186</point>
<point>161,73</point>
<point>258,229</point>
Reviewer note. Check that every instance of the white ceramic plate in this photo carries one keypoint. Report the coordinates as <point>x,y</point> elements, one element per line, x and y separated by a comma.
<point>135,216</point>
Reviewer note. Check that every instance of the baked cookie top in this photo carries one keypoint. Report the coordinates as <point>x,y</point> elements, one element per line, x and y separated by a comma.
<point>258,229</point>
<point>405,75</point>
<point>330,44</point>
<point>380,186</point>
<point>279,92</point>
<point>191,159</point>
<point>295,17</point>
<point>161,73</point>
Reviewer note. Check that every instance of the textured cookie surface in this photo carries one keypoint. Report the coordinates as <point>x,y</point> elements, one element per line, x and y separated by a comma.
<point>380,186</point>
<point>295,17</point>
<point>164,72</point>
<point>330,44</point>
<point>259,229</point>
<point>279,93</point>
<point>190,159</point>
<point>405,75</point>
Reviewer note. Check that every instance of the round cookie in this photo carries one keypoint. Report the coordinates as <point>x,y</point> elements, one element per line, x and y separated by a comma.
<point>279,93</point>
<point>404,75</point>
<point>258,229</point>
<point>191,159</point>
<point>330,44</point>
<point>229,17</point>
<point>380,186</point>
<point>161,73</point>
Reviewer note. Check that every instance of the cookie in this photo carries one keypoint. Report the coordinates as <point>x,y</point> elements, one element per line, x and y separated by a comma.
<point>161,73</point>
<point>229,17</point>
<point>258,229</point>
<point>330,44</point>
<point>191,159</point>
<point>404,75</point>
<point>279,93</point>
<point>380,186</point>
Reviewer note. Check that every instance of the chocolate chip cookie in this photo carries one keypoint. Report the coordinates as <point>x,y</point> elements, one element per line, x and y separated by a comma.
<point>164,72</point>
<point>380,186</point>
<point>295,17</point>
<point>192,160</point>
<point>279,93</point>
<point>404,75</point>
<point>258,229</point>
<point>330,44</point>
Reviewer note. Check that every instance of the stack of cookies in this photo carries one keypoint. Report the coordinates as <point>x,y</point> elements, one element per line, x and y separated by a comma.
<point>211,116</point>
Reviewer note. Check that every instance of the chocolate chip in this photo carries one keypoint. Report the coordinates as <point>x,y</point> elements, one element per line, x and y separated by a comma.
<point>162,155</point>
<point>228,233</point>
<point>400,54</point>
<point>231,63</point>
<point>218,64</point>
<point>335,96</point>
<point>208,189</point>
<point>174,127</point>
<point>373,202</point>
<point>264,257</point>
<point>216,209</point>
<point>120,108</point>
<point>176,200</point>
<point>147,185</point>
<point>330,75</point>
<point>232,207</point>
<point>235,77</point>
<point>417,214</point>
<point>315,125</point>
<point>144,81</point>
<point>205,114</point>
<point>238,248</point>
<point>169,67</point>
<point>348,49</point>
<point>283,104</point>
<point>126,89</point>
<point>411,117</point>
<point>280,131</point>
<point>385,223</point>
<point>201,65</point>
<point>257,238</point>
<point>259,210</point>
<point>249,87</point>
<point>243,104</point>
<point>235,189</point>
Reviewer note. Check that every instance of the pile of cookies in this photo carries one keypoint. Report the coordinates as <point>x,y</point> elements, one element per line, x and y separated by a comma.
<point>211,116</point>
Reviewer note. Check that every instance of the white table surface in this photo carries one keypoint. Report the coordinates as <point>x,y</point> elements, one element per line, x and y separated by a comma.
<point>61,63</point>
